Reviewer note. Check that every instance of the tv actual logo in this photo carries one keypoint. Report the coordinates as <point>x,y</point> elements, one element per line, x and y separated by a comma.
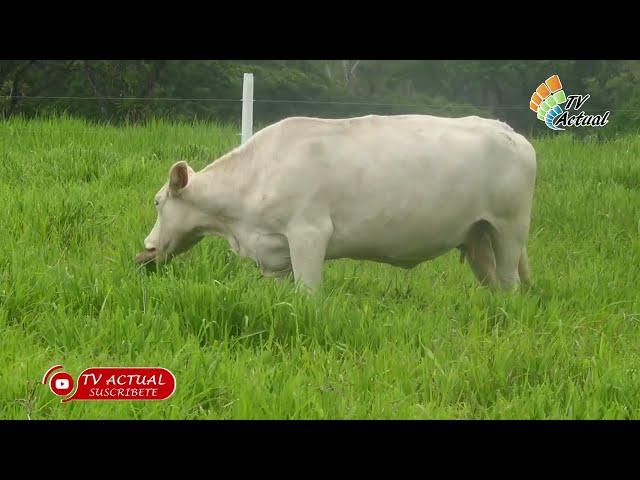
<point>547,102</point>
<point>112,383</point>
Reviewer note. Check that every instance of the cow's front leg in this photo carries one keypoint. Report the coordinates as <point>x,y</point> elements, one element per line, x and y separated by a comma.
<point>307,248</point>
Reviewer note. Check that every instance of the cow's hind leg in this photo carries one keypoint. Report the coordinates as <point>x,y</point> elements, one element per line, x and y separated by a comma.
<point>508,246</point>
<point>479,252</point>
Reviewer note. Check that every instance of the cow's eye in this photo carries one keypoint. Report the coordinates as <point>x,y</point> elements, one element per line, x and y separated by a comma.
<point>157,202</point>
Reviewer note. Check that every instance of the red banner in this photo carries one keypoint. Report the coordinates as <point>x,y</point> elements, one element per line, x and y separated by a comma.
<point>114,383</point>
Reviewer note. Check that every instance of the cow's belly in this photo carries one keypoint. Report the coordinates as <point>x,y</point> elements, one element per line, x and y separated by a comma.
<point>419,247</point>
<point>405,219</point>
<point>405,240</point>
<point>401,250</point>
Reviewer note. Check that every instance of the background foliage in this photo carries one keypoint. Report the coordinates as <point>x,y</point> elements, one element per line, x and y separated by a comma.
<point>495,88</point>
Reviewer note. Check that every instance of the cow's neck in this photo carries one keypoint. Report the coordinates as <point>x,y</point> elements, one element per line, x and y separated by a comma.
<point>220,190</point>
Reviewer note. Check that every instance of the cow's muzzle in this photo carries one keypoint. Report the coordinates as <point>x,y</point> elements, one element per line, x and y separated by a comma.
<point>148,255</point>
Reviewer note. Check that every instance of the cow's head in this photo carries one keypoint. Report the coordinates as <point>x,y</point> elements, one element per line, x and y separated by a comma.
<point>178,222</point>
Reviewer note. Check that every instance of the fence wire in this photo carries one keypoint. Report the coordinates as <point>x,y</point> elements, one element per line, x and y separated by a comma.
<point>264,100</point>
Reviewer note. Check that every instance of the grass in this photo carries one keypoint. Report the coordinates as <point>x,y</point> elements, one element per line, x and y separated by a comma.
<point>76,201</point>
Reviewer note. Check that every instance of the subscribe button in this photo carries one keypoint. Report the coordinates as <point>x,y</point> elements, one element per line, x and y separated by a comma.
<point>112,383</point>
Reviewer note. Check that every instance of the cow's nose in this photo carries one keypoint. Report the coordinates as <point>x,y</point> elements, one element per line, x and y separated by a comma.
<point>148,245</point>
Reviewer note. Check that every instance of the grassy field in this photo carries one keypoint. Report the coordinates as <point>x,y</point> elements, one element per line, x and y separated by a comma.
<point>377,342</point>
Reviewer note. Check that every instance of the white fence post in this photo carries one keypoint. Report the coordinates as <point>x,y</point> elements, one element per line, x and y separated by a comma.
<point>247,107</point>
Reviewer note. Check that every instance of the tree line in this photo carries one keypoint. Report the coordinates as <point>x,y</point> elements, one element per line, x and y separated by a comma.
<point>116,91</point>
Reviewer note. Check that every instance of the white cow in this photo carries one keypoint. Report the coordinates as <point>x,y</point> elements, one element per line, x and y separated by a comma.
<point>395,189</point>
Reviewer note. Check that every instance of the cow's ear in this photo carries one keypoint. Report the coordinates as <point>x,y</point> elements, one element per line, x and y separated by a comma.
<point>179,176</point>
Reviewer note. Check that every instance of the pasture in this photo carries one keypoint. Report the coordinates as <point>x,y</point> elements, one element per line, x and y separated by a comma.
<point>376,342</point>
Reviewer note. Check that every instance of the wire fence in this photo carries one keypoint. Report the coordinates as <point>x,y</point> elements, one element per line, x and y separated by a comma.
<point>289,101</point>
<point>263,100</point>
<point>270,110</point>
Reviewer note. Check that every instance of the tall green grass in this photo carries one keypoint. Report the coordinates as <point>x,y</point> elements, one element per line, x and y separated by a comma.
<point>76,201</point>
